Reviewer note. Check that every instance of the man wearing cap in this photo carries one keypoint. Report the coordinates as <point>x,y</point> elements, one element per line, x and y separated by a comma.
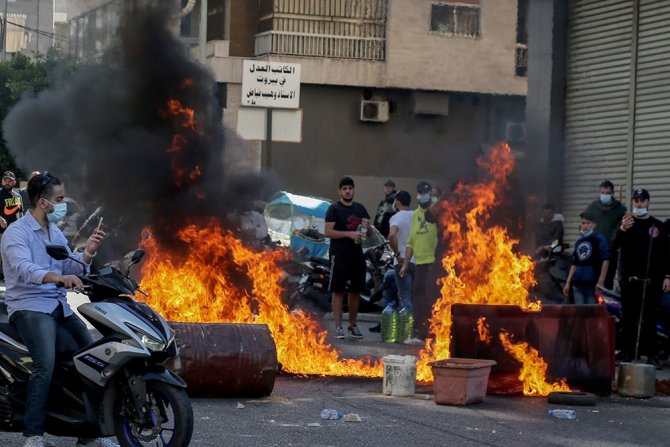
<point>421,245</point>
<point>346,222</point>
<point>644,274</point>
<point>385,209</point>
<point>12,208</point>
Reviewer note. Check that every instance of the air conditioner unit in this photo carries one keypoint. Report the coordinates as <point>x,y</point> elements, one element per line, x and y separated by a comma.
<point>515,132</point>
<point>374,111</point>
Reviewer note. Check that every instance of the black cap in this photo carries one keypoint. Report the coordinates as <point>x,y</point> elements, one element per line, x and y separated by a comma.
<point>423,186</point>
<point>641,193</point>
<point>389,182</point>
<point>403,197</point>
<point>346,181</point>
<point>9,174</point>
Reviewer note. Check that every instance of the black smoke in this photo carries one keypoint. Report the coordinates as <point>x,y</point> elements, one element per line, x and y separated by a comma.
<point>106,133</point>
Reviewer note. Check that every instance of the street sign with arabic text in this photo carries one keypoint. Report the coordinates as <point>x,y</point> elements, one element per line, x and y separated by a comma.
<point>270,84</point>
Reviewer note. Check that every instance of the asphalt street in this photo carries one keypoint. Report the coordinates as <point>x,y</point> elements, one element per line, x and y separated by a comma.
<point>290,416</point>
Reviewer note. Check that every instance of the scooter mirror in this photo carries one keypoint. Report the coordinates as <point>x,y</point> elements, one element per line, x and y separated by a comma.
<point>58,252</point>
<point>137,256</point>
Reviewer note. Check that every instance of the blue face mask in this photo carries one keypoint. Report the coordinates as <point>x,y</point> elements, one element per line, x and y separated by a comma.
<point>59,212</point>
<point>423,198</point>
<point>606,199</point>
<point>639,212</point>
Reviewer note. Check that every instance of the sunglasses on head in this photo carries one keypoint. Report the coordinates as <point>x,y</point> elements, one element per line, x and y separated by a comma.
<point>46,179</point>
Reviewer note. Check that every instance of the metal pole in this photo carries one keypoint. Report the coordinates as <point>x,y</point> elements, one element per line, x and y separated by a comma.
<point>37,34</point>
<point>4,32</point>
<point>268,138</point>
<point>203,32</point>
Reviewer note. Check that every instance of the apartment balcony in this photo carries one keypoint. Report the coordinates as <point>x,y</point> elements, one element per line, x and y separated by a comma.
<point>320,45</point>
<point>341,29</point>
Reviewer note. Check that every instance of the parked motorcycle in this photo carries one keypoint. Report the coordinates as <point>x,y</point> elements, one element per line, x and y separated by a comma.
<point>115,386</point>
<point>612,300</point>
<point>552,264</point>
<point>307,282</point>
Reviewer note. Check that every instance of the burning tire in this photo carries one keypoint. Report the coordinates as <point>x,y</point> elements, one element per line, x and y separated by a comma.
<point>571,398</point>
<point>168,418</point>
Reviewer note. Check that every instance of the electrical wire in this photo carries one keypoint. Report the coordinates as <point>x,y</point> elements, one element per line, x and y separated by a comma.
<point>40,32</point>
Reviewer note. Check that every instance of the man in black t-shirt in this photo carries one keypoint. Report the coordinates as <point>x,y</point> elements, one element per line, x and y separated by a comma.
<point>644,273</point>
<point>10,201</point>
<point>346,221</point>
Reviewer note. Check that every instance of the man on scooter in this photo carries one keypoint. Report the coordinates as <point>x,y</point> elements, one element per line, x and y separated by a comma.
<point>36,295</point>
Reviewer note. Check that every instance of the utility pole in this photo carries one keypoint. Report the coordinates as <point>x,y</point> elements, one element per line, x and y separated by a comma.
<point>37,33</point>
<point>202,44</point>
<point>4,32</point>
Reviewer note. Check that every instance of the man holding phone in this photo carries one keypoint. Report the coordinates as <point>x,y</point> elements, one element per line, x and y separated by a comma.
<point>36,304</point>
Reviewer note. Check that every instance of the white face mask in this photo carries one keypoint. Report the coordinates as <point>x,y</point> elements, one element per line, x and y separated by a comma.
<point>639,212</point>
<point>586,233</point>
<point>58,213</point>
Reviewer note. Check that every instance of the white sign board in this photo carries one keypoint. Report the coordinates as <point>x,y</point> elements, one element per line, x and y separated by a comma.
<point>286,124</point>
<point>270,84</point>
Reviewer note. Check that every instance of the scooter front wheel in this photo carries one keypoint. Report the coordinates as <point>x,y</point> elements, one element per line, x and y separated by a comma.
<point>167,421</point>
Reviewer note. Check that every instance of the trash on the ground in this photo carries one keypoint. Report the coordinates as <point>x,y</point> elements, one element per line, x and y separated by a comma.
<point>314,424</point>
<point>329,413</point>
<point>563,414</point>
<point>240,405</point>
<point>352,417</point>
<point>427,396</point>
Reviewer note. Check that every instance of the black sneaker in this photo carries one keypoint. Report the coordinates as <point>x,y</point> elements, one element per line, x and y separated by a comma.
<point>355,332</point>
<point>339,332</point>
<point>377,328</point>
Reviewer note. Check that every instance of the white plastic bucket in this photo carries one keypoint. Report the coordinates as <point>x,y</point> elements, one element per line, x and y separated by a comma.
<point>399,375</point>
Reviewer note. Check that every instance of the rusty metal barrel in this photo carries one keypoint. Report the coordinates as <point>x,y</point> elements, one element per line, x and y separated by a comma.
<point>576,342</point>
<point>225,359</point>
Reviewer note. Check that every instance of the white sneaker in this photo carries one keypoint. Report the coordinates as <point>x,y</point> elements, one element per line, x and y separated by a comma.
<point>34,441</point>
<point>97,442</point>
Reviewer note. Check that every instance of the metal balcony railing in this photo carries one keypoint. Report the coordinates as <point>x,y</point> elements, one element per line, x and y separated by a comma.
<point>320,45</point>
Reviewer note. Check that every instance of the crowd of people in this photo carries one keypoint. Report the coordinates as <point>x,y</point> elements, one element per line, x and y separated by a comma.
<point>413,238</point>
<point>616,250</point>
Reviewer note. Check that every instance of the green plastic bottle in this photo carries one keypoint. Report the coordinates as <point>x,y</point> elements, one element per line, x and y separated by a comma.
<point>390,324</point>
<point>406,323</point>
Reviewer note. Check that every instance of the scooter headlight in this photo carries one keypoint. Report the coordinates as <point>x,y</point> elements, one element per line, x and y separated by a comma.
<point>152,343</point>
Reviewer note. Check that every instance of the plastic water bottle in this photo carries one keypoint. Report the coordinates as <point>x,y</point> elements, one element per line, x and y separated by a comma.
<point>563,414</point>
<point>363,232</point>
<point>329,413</point>
<point>390,323</point>
<point>406,324</point>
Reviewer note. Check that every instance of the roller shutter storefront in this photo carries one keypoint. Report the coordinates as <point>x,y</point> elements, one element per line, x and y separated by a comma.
<point>613,65</point>
<point>599,43</point>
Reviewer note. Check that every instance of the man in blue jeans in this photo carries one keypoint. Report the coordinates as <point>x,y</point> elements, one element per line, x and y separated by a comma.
<point>398,234</point>
<point>36,305</point>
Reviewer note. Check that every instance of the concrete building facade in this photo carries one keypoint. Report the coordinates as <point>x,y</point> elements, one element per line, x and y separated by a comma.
<point>389,88</point>
<point>30,26</point>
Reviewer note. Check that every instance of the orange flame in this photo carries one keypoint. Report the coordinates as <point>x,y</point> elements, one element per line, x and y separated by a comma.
<point>480,263</point>
<point>186,127</point>
<point>221,280</point>
<point>533,372</point>
<point>483,331</point>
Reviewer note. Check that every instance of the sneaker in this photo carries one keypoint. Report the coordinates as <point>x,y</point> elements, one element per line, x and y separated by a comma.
<point>355,332</point>
<point>377,328</point>
<point>34,441</point>
<point>97,442</point>
<point>339,332</point>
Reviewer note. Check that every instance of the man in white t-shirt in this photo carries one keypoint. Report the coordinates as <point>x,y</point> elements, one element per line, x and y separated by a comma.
<point>398,235</point>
